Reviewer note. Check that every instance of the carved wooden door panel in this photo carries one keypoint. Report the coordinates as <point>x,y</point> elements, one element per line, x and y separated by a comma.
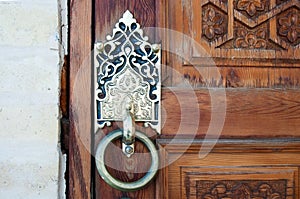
<point>230,99</point>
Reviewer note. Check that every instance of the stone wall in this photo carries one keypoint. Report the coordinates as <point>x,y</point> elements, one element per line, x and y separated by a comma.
<point>29,100</point>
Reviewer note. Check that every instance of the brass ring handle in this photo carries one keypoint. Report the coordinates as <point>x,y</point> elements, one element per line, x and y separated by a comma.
<point>126,186</point>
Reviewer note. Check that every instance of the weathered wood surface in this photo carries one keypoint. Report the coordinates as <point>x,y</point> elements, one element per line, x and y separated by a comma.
<point>79,157</point>
<point>240,77</point>
<point>255,113</point>
<point>107,14</point>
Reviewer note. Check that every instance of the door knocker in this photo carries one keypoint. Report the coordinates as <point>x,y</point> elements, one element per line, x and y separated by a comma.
<point>127,88</point>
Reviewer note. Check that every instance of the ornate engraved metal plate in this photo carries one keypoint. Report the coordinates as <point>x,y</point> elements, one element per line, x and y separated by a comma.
<point>127,71</point>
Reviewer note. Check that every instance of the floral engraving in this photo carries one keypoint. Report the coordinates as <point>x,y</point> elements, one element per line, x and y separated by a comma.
<point>127,72</point>
<point>251,39</point>
<point>241,189</point>
<point>251,6</point>
<point>213,23</point>
<point>289,26</point>
<point>124,87</point>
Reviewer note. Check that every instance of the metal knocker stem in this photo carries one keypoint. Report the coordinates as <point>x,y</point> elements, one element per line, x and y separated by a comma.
<point>126,186</point>
<point>128,131</point>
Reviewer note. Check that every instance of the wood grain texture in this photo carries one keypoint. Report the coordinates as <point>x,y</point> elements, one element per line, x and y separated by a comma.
<point>107,14</point>
<point>249,112</point>
<point>285,77</point>
<point>240,77</point>
<point>246,77</point>
<point>236,77</point>
<point>79,157</point>
<point>227,171</point>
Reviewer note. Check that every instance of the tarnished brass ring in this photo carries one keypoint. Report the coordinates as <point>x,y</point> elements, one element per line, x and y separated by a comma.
<point>125,186</point>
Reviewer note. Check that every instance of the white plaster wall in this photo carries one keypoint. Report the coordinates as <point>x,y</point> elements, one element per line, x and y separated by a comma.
<point>29,113</point>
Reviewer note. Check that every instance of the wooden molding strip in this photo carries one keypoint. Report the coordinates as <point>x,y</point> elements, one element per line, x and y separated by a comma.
<point>253,113</point>
<point>79,157</point>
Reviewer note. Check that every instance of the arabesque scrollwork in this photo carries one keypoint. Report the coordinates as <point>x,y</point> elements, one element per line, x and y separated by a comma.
<point>127,70</point>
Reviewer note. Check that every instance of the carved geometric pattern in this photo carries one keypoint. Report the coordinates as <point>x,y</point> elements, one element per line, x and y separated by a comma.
<point>252,8</point>
<point>250,38</point>
<point>253,14</point>
<point>127,71</point>
<point>264,29</point>
<point>255,38</point>
<point>289,26</point>
<point>214,22</point>
<point>248,182</point>
<point>231,189</point>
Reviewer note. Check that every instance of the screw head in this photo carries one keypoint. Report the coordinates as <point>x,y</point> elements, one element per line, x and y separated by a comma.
<point>99,46</point>
<point>155,48</point>
<point>129,149</point>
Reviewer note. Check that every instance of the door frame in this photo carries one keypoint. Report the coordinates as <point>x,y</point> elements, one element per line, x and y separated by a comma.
<point>79,157</point>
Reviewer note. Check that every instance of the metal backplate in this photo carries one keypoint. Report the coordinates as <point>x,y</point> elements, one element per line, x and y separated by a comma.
<point>127,71</point>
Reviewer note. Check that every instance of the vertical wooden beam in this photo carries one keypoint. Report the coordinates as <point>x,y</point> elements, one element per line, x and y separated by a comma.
<point>79,157</point>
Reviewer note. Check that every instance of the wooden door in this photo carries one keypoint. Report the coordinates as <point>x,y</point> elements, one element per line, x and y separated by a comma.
<point>231,78</point>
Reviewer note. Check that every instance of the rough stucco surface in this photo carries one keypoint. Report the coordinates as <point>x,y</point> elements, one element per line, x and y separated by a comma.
<point>29,81</point>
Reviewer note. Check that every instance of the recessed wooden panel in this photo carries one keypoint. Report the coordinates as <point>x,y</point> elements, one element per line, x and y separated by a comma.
<point>231,43</point>
<point>268,169</point>
<point>242,33</point>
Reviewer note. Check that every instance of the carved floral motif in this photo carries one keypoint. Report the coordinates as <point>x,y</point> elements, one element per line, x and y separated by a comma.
<point>251,39</point>
<point>262,27</point>
<point>289,26</point>
<point>241,189</point>
<point>251,6</point>
<point>214,24</point>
